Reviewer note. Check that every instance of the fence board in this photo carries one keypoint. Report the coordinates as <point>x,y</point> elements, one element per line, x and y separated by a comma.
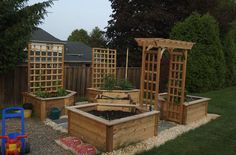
<point>77,78</point>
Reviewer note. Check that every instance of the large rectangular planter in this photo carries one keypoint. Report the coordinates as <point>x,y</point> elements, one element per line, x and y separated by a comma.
<point>41,106</point>
<point>191,111</point>
<point>93,93</point>
<point>109,135</point>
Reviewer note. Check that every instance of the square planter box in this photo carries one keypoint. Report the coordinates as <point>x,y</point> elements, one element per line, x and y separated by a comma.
<point>93,93</point>
<point>109,135</point>
<point>41,106</point>
<point>194,109</point>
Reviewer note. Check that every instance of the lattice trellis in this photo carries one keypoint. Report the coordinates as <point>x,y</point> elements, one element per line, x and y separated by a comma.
<point>176,85</point>
<point>151,71</point>
<point>45,67</point>
<point>150,77</point>
<point>103,64</point>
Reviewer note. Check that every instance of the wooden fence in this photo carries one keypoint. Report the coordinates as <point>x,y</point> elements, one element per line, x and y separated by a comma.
<point>77,78</point>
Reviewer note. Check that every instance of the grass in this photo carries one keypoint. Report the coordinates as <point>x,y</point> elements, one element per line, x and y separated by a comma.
<point>217,137</point>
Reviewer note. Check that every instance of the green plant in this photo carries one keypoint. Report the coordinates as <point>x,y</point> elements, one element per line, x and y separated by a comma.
<point>61,92</point>
<point>110,82</point>
<point>206,64</point>
<point>124,85</point>
<point>42,94</point>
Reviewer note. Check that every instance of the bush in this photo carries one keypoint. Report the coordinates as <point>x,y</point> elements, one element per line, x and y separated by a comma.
<point>230,56</point>
<point>206,64</point>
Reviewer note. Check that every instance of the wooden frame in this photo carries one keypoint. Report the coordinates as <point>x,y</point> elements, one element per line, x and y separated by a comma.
<point>133,95</point>
<point>41,106</point>
<point>103,63</point>
<point>192,110</point>
<point>109,135</point>
<point>153,49</point>
<point>45,67</point>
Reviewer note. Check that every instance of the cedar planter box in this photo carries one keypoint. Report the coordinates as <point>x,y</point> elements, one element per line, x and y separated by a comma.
<point>192,110</point>
<point>41,106</point>
<point>93,93</point>
<point>108,135</point>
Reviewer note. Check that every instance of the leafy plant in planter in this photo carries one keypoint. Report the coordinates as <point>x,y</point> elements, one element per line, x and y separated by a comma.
<point>110,83</point>
<point>44,94</point>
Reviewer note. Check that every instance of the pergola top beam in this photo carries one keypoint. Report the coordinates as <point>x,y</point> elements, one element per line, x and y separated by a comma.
<point>164,43</point>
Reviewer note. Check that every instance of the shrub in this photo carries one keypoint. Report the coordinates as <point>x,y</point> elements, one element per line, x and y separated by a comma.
<point>206,64</point>
<point>230,56</point>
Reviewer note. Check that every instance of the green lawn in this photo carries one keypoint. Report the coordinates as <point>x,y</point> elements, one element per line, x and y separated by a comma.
<point>215,138</point>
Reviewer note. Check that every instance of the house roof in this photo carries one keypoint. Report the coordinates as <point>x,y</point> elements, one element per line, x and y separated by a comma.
<point>40,35</point>
<point>77,52</point>
<point>74,51</point>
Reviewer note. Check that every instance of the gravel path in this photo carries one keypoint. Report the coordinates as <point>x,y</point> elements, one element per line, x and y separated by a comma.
<point>41,137</point>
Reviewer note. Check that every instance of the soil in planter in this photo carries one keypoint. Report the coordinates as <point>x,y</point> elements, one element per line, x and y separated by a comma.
<point>111,115</point>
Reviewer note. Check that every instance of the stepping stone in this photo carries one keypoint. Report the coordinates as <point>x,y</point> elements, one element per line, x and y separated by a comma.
<point>164,125</point>
<point>61,120</point>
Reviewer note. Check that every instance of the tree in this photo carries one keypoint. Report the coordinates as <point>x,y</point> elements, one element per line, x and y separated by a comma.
<point>17,22</point>
<point>79,35</point>
<point>155,18</point>
<point>206,64</point>
<point>230,56</point>
<point>97,38</point>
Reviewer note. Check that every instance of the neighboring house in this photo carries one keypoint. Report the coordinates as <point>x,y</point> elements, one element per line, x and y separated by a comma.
<point>75,53</point>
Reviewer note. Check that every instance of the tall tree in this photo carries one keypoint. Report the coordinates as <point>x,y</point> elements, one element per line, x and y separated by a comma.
<point>97,38</point>
<point>17,21</point>
<point>79,35</point>
<point>155,18</point>
<point>206,64</point>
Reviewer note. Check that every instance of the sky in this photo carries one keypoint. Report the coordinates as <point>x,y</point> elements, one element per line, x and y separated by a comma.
<point>67,15</point>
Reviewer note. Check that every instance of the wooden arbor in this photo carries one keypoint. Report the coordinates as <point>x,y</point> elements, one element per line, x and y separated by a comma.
<point>153,49</point>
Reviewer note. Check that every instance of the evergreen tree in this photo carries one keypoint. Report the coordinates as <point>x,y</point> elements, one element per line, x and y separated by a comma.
<point>206,65</point>
<point>17,22</point>
<point>97,38</point>
<point>230,56</point>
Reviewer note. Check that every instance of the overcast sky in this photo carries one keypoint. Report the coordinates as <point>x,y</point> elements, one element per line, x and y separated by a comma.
<point>67,15</point>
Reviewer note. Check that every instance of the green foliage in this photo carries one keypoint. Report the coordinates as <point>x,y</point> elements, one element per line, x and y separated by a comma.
<point>230,56</point>
<point>155,18</point>
<point>94,39</point>
<point>206,64</point>
<point>61,92</point>
<point>124,85</point>
<point>79,35</point>
<point>110,83</point>
<point>44,94</point>
<point>97,38</point>
<point>17,22</point>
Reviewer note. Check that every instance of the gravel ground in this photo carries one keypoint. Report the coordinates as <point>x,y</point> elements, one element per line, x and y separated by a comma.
<point>41,137</point>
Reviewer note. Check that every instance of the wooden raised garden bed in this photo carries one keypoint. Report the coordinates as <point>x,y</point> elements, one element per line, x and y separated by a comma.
<point>115,96</point>
<point>126,124</point>
<point>41,106</point>
<point>193,109</point>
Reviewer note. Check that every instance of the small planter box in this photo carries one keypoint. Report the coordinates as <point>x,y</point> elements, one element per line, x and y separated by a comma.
<point>109,135</point>
<point>191,110</point>
<point>93,93</point>
<point>41,106</point>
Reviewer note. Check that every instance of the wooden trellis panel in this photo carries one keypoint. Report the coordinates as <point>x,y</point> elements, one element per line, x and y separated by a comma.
<point>176,85</point>
<point>150,78</point>
<point>45,67</point>
<point>103,64</point>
